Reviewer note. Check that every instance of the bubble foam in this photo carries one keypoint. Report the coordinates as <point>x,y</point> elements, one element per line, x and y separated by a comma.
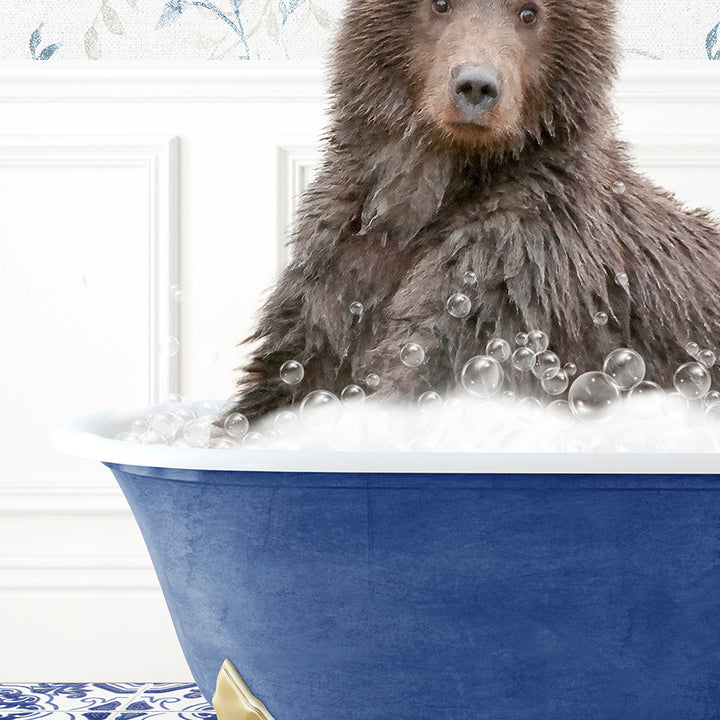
<point>610,409</point>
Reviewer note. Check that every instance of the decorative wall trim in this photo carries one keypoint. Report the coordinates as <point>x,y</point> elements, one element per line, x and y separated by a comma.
<point>694,81</point>
<point>679,150</point>
<point>284,82</point>
<point>34,501</point>
<point>157,156</point>
<point>274,82</point>
<point>296,161</point>
<point>87,572</point>
<point>81,573</point>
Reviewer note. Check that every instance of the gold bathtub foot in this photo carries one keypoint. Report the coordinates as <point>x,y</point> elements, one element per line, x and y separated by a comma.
<point>233,700</point>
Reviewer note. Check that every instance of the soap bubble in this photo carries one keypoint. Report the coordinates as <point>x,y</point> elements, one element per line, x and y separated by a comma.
<point>692,380</point>
<point>197,432</point>
<point>352,395</point>
<point>570,369</point>
<point>152,437</point>
<point>707,358</point>
<point>498,349</point>
<point>174,398</point>
<point>470,278</point>
<point>555,383</point>
<point>482,376</point>
<point>412,355</point>
<point>523,359</point>
<point>320,409</point>
<point>222,443</point>
<point>530,410</point>
<point>236,425</point>
<point>537,341</point>
<point>601,318</point>
<point>521,339</point>
<point>292,372</point>
<point>177,293</point>
<point>286,422</point>
<point>546,362</point>
<point>357,308</point>
<point>207,410</point>
<point>254,441</point>
<point>711,416</point>
<point>164,423</point>
<point>618,187</point>
<point>372,380</point>
<point>594,397</point>
<point>169,346</point>
<point>621,279</point>
<point>712,398</point>
<point>92,279</point>
<point>625,366</point>
<point>459,305</point>
<point>184,415</point>
<point>692,349</point>
<point>646,399</point>
<point>430,403</point>
<point>559,413</point>
<point>138,426</point>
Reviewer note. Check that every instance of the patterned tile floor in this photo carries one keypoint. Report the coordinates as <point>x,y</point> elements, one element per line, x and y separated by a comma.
<point>103,701</point>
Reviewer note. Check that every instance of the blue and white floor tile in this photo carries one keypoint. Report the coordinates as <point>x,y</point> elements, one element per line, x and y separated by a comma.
<point>103,701</point>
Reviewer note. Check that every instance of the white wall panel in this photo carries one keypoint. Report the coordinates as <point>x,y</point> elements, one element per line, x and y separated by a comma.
<point>298,161</point>
<point>91,239</point>
<point>89,251</point>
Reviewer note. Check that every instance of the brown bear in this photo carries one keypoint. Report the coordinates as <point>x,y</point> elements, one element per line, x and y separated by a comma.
<point>472,150</point>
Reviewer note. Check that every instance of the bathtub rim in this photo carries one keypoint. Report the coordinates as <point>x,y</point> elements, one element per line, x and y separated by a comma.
<point>92,437</point>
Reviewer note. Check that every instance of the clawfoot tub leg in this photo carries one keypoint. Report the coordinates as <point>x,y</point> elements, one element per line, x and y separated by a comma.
<point>233,700</point>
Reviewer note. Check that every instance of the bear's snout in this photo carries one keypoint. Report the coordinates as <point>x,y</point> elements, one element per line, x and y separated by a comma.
<point>475,89</point>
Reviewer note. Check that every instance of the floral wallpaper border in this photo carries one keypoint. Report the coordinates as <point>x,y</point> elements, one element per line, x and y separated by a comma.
<point>43,30</point>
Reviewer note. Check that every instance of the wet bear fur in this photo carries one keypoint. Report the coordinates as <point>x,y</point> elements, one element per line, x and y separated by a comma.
<point>409,198</point>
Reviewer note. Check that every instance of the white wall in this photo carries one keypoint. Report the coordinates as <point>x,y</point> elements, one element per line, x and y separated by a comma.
<point>115,184</point>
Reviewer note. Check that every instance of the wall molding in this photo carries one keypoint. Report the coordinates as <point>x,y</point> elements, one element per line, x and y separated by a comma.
<point>273,82</point>
<point>157,157</point>
<point>20,571</point>
<point>56,573</point>
<point>35,506</point>
<point>296,160</point>
<point>285,82</point>
<point>680,150</point>
<point>27,500</point>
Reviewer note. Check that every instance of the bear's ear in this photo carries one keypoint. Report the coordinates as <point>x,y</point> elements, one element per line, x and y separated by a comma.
<point>408,191</point>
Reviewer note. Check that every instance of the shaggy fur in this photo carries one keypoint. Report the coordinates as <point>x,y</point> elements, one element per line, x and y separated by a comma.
<point>409,199</point>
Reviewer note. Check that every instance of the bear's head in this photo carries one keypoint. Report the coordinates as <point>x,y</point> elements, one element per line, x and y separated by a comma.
<point>476,75</point>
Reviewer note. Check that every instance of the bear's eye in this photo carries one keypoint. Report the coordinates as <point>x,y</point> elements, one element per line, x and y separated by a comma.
<point>528,15</point>
<point>441,6</point>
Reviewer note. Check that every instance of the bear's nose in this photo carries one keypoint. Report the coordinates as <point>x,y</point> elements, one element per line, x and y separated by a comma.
<point>475,88</point>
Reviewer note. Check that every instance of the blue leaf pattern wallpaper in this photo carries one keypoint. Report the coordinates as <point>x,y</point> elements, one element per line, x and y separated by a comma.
<point>47,30</point>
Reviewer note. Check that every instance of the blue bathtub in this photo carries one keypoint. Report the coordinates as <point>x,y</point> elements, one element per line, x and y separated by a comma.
<point>350,586</point>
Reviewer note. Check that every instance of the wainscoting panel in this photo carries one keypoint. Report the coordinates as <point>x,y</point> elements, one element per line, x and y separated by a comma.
<point>145,210</point>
